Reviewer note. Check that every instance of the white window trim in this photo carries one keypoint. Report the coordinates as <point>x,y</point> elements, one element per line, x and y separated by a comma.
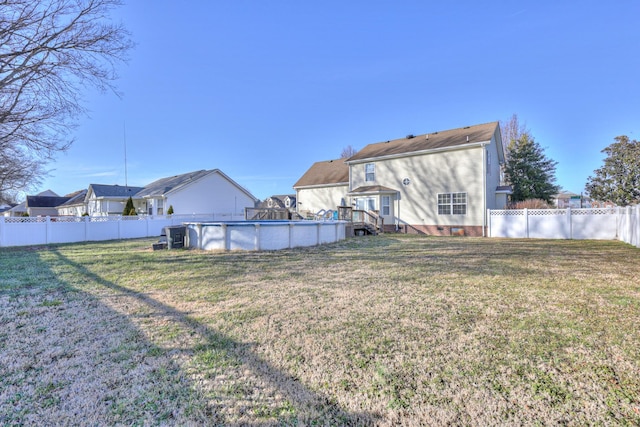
<point>451,204</point>
<point>385,208</point>
<point>372,172</point>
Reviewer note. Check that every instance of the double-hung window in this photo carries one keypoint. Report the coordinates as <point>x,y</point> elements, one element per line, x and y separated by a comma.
<point>452,204</point>
<point>386,205</point>
<point>370,172</point>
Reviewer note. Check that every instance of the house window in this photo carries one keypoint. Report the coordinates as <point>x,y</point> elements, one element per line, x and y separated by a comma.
<point>370,172</point>
<point>366,203</point>
<point>386,205</point>
<point>452,204</point>
<point>160,207</point>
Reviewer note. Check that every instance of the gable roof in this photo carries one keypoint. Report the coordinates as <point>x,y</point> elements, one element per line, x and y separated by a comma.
<point>429,141</point>
<point>75,198</point>
<point>102,190</point>
<point>45,201</point>
<point>327,172</point>
<point>164,185</point>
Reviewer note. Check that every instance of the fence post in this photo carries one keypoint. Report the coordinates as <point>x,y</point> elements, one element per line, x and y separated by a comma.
<point>569,222</point>
<point>2,231</point>
<point>47,229</point>
<point>635,227</point>
<point>526,223</point>
<point>85,219</point>
<point>489,223</point>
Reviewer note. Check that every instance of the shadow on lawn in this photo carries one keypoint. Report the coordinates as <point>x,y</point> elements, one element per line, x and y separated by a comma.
<point>309,407</point>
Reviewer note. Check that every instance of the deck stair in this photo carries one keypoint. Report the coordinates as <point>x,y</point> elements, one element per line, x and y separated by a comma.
<point>363,222</point>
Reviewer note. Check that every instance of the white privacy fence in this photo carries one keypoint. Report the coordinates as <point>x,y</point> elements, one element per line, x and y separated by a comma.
<point>24,231</point>
<point>599,223</point>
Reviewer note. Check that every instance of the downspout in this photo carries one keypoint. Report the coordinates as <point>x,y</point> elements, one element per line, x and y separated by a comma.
<point>398,212</point>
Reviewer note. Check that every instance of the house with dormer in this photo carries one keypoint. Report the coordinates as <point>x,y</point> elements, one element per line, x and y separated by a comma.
<point>438,183</point>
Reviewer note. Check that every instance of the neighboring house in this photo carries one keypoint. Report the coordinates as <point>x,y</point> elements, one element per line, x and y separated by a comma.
<point>204,191</point>
<point>4,208</point>
<point>22,210</point>
<point>438,183</point>
<point>75,206</point>
<point>280,201</point>
<point>105,200</point>
<point>44,205</point>
<point>323,187</point>
<point>567,199</point>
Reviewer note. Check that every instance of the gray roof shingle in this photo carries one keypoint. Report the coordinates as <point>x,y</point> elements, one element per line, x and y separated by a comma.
<point>102,190</point>
<point>327,172</point>
<point>164,185</point>
<point>429,141</point>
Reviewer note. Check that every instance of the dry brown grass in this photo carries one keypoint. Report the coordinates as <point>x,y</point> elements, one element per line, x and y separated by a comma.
<point>380,330</point>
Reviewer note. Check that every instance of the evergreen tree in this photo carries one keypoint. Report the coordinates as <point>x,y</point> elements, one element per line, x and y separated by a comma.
<point>618,180</point>
<point>530,173</point>
<point>129,209</point>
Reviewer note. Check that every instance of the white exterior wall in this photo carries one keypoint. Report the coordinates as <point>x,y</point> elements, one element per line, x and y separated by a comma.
<point>430,174</point>
<point>212,193</point>
<point>317,199</point>
<point>73,210</point>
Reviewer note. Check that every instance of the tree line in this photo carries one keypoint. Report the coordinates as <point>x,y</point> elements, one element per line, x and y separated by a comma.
<point>531,173</point>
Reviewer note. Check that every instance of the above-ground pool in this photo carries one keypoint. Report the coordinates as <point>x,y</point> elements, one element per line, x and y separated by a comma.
<point>262,235</point>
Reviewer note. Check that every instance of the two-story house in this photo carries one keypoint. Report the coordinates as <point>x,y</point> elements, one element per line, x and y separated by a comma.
<point>439,183</point>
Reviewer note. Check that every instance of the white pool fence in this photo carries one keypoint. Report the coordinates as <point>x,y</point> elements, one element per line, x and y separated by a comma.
<point>596,223</point>
<point>27,231</point>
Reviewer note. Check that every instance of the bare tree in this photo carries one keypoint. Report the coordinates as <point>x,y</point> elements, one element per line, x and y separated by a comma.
<point>511,131</point>
<point>50,51</point>
<point>347,152</point>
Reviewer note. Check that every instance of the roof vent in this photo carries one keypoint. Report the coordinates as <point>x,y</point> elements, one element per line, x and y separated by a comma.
<point>426,136</point>
<point>410,136</point>
<point>467,138</point>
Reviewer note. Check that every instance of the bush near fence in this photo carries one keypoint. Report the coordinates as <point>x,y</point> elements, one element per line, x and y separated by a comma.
<point>27,231</point>
<point>597,223</point>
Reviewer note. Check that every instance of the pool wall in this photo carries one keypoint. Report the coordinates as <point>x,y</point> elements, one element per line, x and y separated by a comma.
<point>262,235</point>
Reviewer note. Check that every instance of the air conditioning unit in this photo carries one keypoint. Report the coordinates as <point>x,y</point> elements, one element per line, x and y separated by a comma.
<point>175,236</point>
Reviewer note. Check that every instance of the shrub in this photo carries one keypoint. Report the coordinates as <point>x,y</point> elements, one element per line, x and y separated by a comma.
<point>530,204</point>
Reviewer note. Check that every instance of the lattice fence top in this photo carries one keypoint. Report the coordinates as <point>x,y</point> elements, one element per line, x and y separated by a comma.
<point>546,212</point>
<point>594,211</point>
<point>556,212</point>
<point>509,212</point>
<point>24,219</point>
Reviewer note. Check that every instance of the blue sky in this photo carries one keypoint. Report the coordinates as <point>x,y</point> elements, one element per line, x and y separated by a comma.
<point>263,89</point>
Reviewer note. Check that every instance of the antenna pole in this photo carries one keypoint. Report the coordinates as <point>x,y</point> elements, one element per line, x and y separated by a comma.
<point>124,129</point>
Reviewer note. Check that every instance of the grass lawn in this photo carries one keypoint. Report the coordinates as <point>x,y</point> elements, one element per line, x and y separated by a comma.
<point>384,330</point>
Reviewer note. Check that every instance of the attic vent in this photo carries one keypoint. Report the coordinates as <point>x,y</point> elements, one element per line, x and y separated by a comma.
<point>410,136</point>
